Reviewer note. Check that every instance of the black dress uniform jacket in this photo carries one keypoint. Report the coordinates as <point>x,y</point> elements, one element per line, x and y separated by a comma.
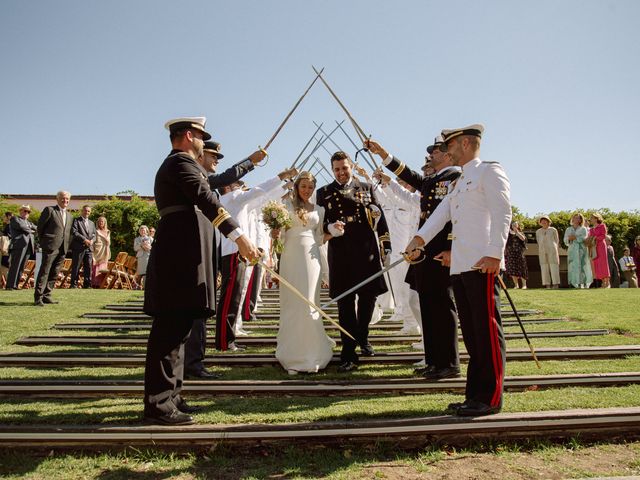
<point>180,277</point>
<point>432,189</point>
<point>355,255</point>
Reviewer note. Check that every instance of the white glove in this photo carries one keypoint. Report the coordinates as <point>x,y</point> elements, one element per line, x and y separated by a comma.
<point>334,230</point>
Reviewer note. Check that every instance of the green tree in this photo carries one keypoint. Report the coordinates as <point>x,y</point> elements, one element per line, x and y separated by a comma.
<point>124,218</point>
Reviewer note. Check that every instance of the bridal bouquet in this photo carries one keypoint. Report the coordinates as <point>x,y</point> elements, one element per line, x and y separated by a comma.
<point>276,216</point>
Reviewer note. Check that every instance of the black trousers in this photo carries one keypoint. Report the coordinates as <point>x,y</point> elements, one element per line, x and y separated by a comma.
<point>356,323</point>
<point>82,257</point>
<point>194,348</point>
<point>229,302</point>
<point>48,273</point>
<point>251,297</point>
<point>164,367</point>
<point>19,257</point>
<point>478,300</point>
<point>439,317</point>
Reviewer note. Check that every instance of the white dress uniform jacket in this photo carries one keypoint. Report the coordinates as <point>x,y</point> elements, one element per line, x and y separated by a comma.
<point>479,208</point>
<point>239,202</point>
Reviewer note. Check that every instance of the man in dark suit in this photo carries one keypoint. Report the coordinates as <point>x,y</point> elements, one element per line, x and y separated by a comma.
<point>196,344</point>
<point>83,233</point>
<point>22,245</point>
<point>353,216</point>
<point>180,281</point>
<point>431,277</point>
<point>54,233</point>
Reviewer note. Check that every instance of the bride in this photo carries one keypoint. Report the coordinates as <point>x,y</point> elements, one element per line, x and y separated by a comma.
<point>303,345</point>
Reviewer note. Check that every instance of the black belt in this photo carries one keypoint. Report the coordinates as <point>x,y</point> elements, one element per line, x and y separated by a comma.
<point>352,219</point>
<point>177,208</point>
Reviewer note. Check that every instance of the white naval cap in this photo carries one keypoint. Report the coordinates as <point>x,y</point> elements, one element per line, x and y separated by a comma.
<point>183,123</point>
<point>477,129</point>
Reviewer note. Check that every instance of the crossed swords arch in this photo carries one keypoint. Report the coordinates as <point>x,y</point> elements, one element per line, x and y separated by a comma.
<point>362,136</point>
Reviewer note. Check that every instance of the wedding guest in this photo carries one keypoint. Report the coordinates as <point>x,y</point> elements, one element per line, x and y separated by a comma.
<point>152,232</point>
<point>578,259</point>
<point>101,251</point>
<point>6,239</point>
<point>635,251</point>
<point>628,268</point>
<point>548,240</point>
<point>515,260</point>
<point>601,261</point>
<point>614,280</point>
<point>22,245</point>
<point>142,247</point>
<point>83,232</point>
<point>54,233</point>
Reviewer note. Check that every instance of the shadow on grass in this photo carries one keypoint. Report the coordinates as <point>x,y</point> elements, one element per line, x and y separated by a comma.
<point>16,304</point>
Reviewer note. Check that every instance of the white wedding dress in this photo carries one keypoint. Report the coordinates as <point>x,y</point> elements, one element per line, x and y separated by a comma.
<point>303,344</point>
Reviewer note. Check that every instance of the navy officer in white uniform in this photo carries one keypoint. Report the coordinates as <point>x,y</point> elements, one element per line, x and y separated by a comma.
<point>479,208</point>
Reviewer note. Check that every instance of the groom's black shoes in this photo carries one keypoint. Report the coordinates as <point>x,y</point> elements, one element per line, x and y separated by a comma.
<point>347,367</point>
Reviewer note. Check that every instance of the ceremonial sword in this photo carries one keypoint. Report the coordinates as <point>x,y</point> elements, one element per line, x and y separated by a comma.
<point>292,110</point>
<point>405,258</point>
<point>294,290</point>
<point>356,147</point>
<point>305,147</point>
<point>359,130</point>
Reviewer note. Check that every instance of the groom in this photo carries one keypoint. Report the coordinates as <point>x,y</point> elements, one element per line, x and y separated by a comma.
<point>354,254</point>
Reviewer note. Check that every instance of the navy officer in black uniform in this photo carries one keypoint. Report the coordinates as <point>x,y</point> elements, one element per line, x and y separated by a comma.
<point>180,280</point>
<point>479,209</point>
<point>354,253</point>
<point>431,277</point>
<point>196,344</point>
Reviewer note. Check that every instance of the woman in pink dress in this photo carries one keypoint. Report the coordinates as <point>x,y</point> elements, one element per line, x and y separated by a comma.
<point>601,261</point>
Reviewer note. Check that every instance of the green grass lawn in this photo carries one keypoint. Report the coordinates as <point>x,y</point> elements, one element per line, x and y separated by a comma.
<point>616,310</point>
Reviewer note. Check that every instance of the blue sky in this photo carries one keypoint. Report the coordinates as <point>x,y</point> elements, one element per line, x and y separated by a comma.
<point>87,85</point>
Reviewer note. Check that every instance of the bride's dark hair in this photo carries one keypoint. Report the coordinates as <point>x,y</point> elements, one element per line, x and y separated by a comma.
<point>298,204</point>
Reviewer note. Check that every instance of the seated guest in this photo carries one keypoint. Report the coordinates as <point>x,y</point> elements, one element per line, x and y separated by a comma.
<point>578,259</point>
<point>142,247</point>
<point>22,245</point>
<point>547,238</point>
<point>515,261</point>
<point>101,251</point>
<point>628,268</point>
<point>83,232</point>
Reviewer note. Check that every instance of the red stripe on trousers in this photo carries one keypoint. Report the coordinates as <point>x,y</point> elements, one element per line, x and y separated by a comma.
<point>227,302</point>
<point>247,296</point>
<point>495,343</point>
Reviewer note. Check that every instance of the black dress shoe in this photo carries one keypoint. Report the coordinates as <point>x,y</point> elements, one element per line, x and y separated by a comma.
<point>175,417</point>
<point>473,408</point>
<point>453,407</point>
<point>347,367</point>
<point>49,301</point>
<point>440,373</point>
<point>203,374</point>
<point>367,351</point>
<point>424,370</point>
<point>184,407</point>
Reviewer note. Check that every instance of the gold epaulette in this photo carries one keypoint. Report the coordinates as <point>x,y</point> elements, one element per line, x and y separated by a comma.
<point>399,170</point>
<point>222,216</point>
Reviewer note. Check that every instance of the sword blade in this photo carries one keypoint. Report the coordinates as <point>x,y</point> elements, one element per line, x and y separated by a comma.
<point>364,282</point>
<point>305,147</point>
<point>292,110</point>
<point>295,291</point>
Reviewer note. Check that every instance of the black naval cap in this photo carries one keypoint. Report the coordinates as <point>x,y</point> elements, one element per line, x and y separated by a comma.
<point>476,130</point>
<point>436,143</point>
<point>213,147</point>
<point>184,123</point>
